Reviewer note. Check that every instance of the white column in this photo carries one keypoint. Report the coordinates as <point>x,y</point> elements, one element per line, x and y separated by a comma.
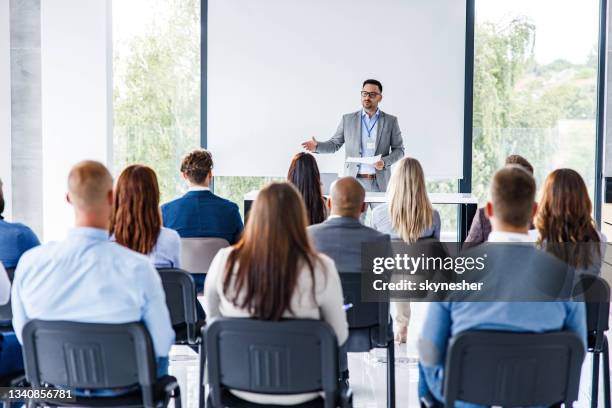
<point>76,66</point>
<point>5,105</point>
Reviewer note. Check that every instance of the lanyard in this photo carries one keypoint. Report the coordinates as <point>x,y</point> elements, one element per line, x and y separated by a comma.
<point>371,128</point>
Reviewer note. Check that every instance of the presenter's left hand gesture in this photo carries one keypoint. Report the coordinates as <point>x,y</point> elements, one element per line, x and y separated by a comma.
<point>379,165</point>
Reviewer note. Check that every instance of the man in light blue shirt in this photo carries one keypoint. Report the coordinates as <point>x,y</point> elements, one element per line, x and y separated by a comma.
<point>510,211</point>
<point>86,277</point>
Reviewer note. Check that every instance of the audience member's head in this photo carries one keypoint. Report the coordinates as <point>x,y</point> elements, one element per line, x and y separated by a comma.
<point>512,204</point>
<point>304,175</point>
<point>90,191</point>
<point>520,161</point>
<point>136,218</point>
<point>564,212</point>
<point>346,198</point>
<point>270,254</point>
<point>1,201</point>
<point>409,207</point>
<point>197,166</point>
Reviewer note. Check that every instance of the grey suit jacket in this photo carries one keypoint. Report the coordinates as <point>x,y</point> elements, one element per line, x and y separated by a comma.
<point>341,238</point>
<point>389,144</point>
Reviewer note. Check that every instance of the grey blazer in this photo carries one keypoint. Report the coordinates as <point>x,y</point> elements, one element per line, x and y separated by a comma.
<point>340,238</point>
<point>389,144</point>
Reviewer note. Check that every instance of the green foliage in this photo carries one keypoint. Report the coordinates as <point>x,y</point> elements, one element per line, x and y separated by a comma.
<point>543,112</point>
<point>157,95</point>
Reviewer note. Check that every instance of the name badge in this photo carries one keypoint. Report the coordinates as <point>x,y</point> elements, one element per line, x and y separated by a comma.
<point>370,145</point>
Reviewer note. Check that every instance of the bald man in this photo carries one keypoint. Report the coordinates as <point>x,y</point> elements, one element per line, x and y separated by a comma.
<point>87,278</point>
<point>342,234</point>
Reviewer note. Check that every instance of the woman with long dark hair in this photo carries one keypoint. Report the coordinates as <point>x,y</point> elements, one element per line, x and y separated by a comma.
<point>304,175</point>
<point>564,222</point>
<point>136,220</point>
<point>274,273</point>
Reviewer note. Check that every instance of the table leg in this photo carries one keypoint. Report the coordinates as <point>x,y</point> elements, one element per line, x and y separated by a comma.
<point>466,215</point>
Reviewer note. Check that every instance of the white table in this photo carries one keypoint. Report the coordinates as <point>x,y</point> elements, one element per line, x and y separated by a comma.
<point>467,205</point>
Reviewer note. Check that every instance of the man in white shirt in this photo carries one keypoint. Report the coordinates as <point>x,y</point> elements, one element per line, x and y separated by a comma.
<point>86,277</point>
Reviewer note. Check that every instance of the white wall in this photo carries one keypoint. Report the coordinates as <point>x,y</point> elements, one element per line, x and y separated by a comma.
<point>281,71</point>
<point>5,104</point>
<point>76,98</point>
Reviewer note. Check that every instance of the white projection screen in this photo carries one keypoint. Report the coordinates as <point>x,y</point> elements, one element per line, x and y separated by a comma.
<point>282,71</point>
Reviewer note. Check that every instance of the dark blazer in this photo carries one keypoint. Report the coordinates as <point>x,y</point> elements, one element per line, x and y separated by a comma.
<point>200,214</point>
<point>341,238</point>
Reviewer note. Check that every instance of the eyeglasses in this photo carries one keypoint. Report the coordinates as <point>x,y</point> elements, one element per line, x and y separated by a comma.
<point>370,94</point>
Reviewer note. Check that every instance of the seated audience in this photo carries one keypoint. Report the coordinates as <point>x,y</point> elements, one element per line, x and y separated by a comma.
<point>341,235</point>
<point>409,216</point>
<point>86,277</point>
<point>136,219</point>
<point>200,213</point>
<point>15,238</point>
<point>304,175</point>
<point>564,223</point>
<point>510,210</point>
<point>481,226</point>
<point>273,273</point>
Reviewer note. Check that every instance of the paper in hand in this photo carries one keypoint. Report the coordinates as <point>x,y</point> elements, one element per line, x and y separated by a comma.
<point>364,160</point>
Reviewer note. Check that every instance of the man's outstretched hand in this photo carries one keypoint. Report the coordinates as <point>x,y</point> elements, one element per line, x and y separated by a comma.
<point>310,145</point>
<point>379,165</point>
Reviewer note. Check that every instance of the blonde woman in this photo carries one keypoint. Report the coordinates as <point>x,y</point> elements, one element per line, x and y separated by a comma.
<point>407,215</point>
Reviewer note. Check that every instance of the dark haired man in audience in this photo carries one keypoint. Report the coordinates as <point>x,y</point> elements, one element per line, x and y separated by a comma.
<point>15,238</point>
<point>86,277</point>
<point>510,210</point>
<point>200,213</point>
<point>368,132</point>
<point>341,235</point>
<point>481,226</point>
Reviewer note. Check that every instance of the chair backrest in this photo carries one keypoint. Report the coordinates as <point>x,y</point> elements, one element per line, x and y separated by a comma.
<point>198,253</point>
<point>6,313</point>
<point>180,299</point>
<point>361,315</point>
<point>513,369</point>
<point>285,357</point>
<point>89,355</point>
<point>596,294</point>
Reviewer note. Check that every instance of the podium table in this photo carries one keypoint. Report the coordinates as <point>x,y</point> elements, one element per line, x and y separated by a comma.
<point>467,204</point>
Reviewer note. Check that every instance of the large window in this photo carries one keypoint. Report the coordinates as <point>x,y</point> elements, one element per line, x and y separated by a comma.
<point>535,87</point>
<point>156,75</point>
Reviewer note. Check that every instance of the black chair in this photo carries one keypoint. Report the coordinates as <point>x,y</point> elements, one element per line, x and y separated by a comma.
<point>286,357</point>
<point>96,356</point>
<point>182,304</point>
<point>596,294</point>
<point>369,327</point>
<point>513,369</point>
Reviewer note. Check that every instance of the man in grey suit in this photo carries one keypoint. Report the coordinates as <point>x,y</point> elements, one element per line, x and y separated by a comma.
<point>367,132</point>
<point>341,235</point>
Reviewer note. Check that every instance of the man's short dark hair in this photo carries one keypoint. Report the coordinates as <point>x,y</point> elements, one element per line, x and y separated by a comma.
<point>196,165</point>
<point>373,82</point>
<point>521,161</point>
<point>513,194</point>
